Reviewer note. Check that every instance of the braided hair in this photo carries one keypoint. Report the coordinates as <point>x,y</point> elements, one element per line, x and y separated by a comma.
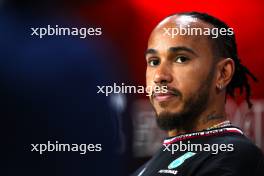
<point>225,46</point>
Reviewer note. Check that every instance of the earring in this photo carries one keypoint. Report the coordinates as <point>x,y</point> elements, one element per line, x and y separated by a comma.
<point>220,86</point>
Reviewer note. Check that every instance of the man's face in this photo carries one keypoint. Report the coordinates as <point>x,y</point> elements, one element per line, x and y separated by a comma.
<point>185,65</point>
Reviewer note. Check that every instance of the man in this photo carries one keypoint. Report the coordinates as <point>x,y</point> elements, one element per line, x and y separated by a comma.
<point>199,68</point>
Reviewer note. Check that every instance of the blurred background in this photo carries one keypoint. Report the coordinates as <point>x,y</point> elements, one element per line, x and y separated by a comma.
<point>48,86</point>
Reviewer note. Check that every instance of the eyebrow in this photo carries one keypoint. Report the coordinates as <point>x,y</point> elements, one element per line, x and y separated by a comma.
<point>171,49</point>
<point>151,51</point>
<point>182,48</point>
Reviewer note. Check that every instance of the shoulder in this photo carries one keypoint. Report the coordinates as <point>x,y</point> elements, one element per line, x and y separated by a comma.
<point>241,144</point>
<point>245,158</point>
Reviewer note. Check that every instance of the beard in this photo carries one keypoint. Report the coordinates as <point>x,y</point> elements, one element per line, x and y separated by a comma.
<point>192,108</point>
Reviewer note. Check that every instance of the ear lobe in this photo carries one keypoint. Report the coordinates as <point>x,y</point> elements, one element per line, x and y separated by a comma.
<point>226,69</point>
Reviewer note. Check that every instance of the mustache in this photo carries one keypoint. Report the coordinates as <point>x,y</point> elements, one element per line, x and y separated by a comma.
<point>168,89</point>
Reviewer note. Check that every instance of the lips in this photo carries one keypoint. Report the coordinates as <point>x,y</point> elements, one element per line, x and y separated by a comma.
<point>162,97</point>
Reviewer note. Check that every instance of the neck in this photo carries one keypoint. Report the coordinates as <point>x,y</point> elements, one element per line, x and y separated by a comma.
<point>206,120</point>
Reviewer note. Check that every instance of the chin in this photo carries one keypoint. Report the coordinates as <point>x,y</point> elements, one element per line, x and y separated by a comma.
<point>171,109</point>
<point>160,111</point>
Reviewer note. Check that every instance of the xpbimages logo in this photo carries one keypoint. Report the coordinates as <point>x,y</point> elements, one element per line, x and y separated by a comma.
<point>59,147</point>
<point>129,89</point>
<point>195,31</point>
<point>65,31</point>
<point>212,148</point>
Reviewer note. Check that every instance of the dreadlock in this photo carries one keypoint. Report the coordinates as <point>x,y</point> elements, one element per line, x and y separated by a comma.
<point>226,47</point>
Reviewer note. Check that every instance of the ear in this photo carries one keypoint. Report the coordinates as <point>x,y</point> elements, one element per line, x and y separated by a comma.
<point>225,72</point>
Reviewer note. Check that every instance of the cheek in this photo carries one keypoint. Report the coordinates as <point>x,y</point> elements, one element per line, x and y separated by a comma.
<point>149,76</point>
<point>189,78</point>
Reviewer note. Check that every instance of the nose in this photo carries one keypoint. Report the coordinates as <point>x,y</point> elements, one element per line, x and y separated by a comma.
<point>162,75</point>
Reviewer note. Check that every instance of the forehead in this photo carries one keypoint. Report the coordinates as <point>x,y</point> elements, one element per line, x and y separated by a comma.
<point>161,40</point>
<point>179,20</point>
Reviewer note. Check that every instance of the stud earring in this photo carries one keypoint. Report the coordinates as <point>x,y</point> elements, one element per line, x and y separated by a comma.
<point>220,86</point>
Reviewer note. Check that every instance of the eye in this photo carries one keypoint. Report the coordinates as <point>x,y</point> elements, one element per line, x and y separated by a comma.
<point>181,59</point>
<point>153,62</point>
